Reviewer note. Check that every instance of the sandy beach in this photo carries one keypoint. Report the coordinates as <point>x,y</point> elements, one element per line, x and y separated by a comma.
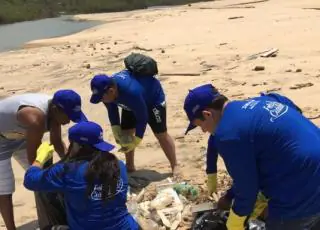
<point>210,42</point>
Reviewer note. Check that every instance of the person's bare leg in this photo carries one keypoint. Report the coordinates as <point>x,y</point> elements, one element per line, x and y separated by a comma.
<point>6,209</point>
<point>130,161</point>
<point>130,155</point>
<point>167,144</point>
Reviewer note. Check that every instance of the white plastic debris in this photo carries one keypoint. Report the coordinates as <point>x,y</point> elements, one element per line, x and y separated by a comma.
<point>161,201</point>
<point>164,212</point>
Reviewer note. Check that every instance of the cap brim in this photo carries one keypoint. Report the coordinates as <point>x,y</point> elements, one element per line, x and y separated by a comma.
<point>78,117</point>
<point>95,98</point>
<point>104,146</point>
<point>190,127</point>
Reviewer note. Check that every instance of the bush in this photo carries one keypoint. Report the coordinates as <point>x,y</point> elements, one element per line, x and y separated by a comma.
<point>23,10</point>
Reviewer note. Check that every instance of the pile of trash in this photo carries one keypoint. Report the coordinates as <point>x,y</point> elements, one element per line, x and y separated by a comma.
<point>172,205</point>
<point>169,209</point>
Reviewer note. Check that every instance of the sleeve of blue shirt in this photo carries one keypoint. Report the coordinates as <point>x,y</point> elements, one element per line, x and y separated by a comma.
<point>37,179</point>
<point>230,194</point>
<point>212,156</point>
<point>113,113</point>
<point>241,165</point>
<point>140,110</point>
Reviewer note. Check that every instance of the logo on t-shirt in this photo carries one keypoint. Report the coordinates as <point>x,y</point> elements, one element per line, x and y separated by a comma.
<point>275,109</point>
<point>97,191</point>
<point>250,104</point>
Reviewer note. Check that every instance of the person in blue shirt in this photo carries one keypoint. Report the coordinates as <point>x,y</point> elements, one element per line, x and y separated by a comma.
<point>224,203</point>
<point>267,147</point>
<point>143,102</point>
<point>92,180</point>
<point>212,152</point>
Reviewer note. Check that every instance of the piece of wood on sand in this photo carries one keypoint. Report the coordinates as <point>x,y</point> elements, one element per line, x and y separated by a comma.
<point>270,52</point>
<point>202,207</point>
<point>180,74</point>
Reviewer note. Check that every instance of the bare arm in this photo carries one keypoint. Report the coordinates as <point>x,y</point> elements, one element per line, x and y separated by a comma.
<point>56,139</point>
<point>34,121</point>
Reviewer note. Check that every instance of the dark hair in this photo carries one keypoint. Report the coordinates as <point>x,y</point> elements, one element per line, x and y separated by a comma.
<point>216,104</point>
<point>111,85</point>
<point>103,169</point>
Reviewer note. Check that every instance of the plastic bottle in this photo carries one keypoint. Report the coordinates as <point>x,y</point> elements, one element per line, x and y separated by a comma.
<point>186,190</point>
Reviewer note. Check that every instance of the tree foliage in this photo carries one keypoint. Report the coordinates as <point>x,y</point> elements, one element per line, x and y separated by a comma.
<point>23,10</point>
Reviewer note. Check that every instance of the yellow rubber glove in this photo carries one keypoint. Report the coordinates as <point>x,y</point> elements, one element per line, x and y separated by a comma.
<point>116,130</point>
<point>44,153</point>
<point>130,146</point>
<point>260,205</point>
<point>235,222</point>
<point>212,183</point>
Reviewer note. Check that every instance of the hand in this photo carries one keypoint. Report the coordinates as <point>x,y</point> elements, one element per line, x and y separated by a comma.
<point>116,130</point>
<point>259,207</point>
<point>224,203</point>
<point>212,183</point>
<point>235,222</point>
<point>128,146</point>
<point>44,153</point>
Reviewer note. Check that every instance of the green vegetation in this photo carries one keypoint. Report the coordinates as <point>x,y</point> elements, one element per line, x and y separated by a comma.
<point>24,10</point>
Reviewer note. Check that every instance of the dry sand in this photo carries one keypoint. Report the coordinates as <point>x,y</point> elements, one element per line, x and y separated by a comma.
<point>200,39</point>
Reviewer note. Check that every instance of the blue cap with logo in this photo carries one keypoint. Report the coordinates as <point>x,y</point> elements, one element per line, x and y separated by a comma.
<point>99,84</point>
<point>89,133</point>
<point>197,100</point>
<point>70,102</point>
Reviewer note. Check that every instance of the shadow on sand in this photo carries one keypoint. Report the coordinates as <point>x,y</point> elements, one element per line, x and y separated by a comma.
<point>143,177</point>
<point>32,225</point>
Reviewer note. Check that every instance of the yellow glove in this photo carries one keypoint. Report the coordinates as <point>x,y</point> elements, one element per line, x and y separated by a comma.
<point>260,205</point>
<point>212,183</point>
<point>128,146</point>
<point>44,153</point>
<point>116,130</point>
<point>235,222</point>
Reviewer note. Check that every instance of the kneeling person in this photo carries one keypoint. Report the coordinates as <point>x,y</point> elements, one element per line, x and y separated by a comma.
<point>93,181</point>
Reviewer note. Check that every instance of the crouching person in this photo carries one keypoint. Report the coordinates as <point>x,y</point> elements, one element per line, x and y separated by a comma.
<point>93,181</point>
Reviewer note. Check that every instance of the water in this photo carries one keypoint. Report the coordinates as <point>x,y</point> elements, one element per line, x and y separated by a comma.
<point>13,36</point>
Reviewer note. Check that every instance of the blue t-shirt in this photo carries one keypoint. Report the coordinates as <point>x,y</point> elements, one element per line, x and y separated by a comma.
<point>271,147</point>
<point>136,95</point>
<point>84,213</point>
<point>212,151</point>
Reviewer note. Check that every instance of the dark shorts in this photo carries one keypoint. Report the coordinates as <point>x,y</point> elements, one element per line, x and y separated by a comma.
<point>157,119</point>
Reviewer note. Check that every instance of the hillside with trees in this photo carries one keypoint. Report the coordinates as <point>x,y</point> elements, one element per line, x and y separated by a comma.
<point>24,10</point>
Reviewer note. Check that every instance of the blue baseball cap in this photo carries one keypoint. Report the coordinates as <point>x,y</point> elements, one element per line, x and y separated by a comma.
<point>89,133</point>
<point>197,100</point>
<point>99,84</point>
<point>70,102</point>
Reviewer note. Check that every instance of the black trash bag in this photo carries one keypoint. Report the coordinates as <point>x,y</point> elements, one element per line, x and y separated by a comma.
<point>211,220</point>
<point>141,65</point>
<point>50,208</point>
<point>217,219</point>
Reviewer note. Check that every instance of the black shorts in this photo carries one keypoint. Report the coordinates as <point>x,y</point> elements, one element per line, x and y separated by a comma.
<point>157,119</point>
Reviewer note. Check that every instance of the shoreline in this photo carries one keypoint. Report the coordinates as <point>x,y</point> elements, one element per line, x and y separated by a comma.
<point>54,10</point>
